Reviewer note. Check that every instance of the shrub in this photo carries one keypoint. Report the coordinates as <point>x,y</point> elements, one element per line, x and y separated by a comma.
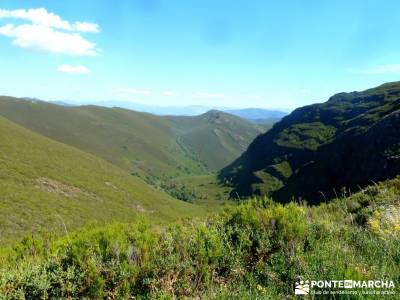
<point>255,250</point>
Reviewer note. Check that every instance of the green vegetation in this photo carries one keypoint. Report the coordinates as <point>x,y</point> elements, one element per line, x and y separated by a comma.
<point>139,142</point>
<point>255,250</point>
<point>306,136</point>
<point>209,194</point>
<point>45,184</point>
<point>346,142</point>
<point>217,138</point>
<point>89,200</point>
<point>177,190</point>
<point>282,169</point>
<point>274,183</point>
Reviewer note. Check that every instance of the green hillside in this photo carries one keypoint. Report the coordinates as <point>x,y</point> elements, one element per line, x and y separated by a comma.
<point>217,137</point>
<point>322,150</point>
<point>138,142</point>
<point>256,250</point>
<point>46,185</point>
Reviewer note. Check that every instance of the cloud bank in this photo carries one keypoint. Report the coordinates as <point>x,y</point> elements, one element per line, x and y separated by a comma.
<point>48,32</point>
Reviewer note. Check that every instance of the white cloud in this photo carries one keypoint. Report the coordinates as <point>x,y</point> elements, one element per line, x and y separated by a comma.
<point>132,91</point>
<point>46,39</point>
<point>382,69</point>
<point>48,33</point>
<point>168,93</point>
<point>7,30</point>
<point>39,16</point>
<point>73,69</point>
<point>208,95</point>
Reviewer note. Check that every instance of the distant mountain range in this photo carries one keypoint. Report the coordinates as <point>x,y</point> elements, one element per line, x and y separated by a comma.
<point>254,115</point>
<point>258,115</point>
<point>324,150</point>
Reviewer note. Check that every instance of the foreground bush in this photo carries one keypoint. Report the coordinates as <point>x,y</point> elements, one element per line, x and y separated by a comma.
<point>255,250</point>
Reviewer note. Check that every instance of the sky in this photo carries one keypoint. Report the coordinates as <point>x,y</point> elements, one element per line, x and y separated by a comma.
<point>230,53</point>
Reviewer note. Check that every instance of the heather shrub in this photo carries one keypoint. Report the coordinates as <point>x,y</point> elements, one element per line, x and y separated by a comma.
<point>253,250</point>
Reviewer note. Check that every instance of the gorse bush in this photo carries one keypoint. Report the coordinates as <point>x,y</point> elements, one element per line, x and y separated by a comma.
<point>255,250</point>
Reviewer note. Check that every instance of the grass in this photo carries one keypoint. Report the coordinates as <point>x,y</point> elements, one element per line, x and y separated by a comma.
<point>256,250</point>
<point>46,184</point>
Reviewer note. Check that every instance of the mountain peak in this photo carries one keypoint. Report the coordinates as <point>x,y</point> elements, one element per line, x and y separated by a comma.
<point>216,116</point>
<point>213,112</point>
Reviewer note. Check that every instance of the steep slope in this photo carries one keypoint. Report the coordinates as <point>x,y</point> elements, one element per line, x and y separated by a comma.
<point>138,142</point>
<point>45,184</point>
<point>317,150</point>
<point>217,137</point>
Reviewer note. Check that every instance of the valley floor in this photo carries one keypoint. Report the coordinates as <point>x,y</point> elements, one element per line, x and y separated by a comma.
<point>209,193</point>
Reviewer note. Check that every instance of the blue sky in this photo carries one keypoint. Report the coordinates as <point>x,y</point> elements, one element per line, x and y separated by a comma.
<point>272,54</point>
